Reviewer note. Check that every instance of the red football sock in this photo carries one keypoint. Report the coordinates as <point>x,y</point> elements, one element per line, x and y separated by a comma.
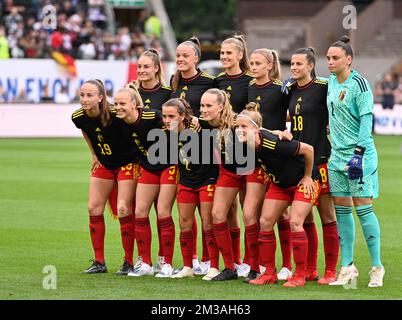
<point>246,258</point>
<point>312,252</point>
<point>186,245</point>
<point>252,243</point>
<point>267,249</point>
<point>331,245</point>
<point>143,236</point>
<point>222,236</point>
<point>213,249</point>
<point>235,235</point>
<point>205,254</point>
<point>300,247</point>
<point>97,232</point>
<point>168,237</point>
<point>195,238</point>
<point>160,250</point>
<point>127,231</point>
<point>286,243</point>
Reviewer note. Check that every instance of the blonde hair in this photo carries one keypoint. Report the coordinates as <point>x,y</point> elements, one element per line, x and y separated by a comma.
<point>227,117</point>
<point>154,56</point>
<point>240,42</point>
<point>250,112</point>
<point>272,57</point>
<point>135,96</point>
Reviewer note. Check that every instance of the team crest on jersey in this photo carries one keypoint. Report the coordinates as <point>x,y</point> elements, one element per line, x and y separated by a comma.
<point>342,95</point>
<point>100,138</point>
<point>297,107</point>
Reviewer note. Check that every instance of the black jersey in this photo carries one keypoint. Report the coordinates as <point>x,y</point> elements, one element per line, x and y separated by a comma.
<point>236,87</point>
<point>138,132</point>
<point>271,103</point>
<point>110,146</point>
<point>191,89</point>
<point>309,117</point>
<point>198,167</point>
<point>279,160</point>
<point>154,98</point>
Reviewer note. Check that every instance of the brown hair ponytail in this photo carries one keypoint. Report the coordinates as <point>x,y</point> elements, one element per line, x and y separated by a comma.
<point>104,104</point>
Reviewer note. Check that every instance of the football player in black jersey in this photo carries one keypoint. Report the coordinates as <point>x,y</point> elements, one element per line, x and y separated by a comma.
<point>154,93</point>
<point>309,119</point>
<point>150,81</point>
<point>292,183</point>
<point>112,162</point>
<point>265,91</point>
<point>197,180</point>
<point>156,181</point>
<point>189,83</point>
<point>235,81</point>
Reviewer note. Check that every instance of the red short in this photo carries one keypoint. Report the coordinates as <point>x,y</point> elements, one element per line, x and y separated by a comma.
<point>196,196</point>
<point>128,172</point>
<point>291,194</point>
<point>167,176</point>
<point>229,179</point>
<point>323,169</point>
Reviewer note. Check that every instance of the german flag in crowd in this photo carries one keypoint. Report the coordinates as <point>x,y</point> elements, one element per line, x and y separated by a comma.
<point>66,61</point>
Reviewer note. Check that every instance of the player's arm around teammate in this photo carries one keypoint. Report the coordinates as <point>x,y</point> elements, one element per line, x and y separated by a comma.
<point>291,184</point>
<point>309,120</point>
<point>353,165</point>
<point>112,161</point>
<point>157,181</point>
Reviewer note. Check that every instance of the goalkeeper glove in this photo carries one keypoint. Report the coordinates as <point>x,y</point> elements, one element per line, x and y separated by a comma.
<point>355,165</point>
<point>287,85</point>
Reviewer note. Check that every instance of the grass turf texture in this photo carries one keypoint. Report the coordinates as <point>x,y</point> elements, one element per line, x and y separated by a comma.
<point>43,221</point>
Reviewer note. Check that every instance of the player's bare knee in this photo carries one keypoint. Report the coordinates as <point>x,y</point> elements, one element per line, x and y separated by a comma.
<point>296,224</point>
<point>122,210</point>
<point>95,210</point>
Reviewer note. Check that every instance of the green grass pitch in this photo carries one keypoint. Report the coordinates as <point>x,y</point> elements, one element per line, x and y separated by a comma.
<point>44,221</point>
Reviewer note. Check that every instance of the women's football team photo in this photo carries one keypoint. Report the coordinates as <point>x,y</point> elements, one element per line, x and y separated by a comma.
<point>326,159</point>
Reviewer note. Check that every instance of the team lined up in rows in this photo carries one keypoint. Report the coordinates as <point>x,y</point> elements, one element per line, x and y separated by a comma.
<point>248,105</point>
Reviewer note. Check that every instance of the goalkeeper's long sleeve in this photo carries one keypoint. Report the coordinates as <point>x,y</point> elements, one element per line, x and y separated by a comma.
<point>366,126</point>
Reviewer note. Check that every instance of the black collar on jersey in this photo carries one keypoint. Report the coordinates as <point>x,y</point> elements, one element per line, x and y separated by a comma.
<point>263,85</point>
<point>236,75</point>
<point>193,77</point>
<point>150,90</point>
<point>306,85</point>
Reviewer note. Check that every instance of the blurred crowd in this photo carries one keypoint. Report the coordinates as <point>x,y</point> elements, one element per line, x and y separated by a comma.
<point>28,31</point>
<point>388,91</point>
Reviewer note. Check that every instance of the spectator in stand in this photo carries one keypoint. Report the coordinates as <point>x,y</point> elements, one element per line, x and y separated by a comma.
<point>87,50</point>
<point>388,87</point>
<point>153,26</point>
<point>13,19</point>
<point>4,49</point>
